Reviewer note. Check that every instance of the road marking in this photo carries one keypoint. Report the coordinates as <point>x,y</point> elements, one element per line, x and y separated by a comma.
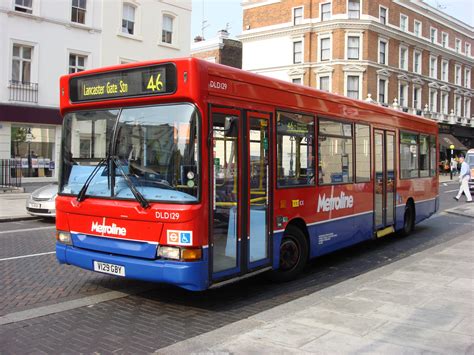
<point>27,256</point>
<point>447,192</point>
<point>69,305</point>
<point>27,230</point>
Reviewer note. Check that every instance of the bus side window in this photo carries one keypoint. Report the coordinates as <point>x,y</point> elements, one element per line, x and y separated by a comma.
<point>335,152</point>
<point>295,149</point>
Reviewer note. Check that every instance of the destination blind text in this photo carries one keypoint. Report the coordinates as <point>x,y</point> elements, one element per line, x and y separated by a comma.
<point>110,88</point>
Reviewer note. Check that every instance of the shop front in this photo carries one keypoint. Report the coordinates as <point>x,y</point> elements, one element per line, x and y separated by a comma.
<point>33,135</point>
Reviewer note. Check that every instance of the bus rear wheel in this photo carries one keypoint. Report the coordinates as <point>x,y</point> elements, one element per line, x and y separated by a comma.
<point>408,221</point>
<point>293,255</point>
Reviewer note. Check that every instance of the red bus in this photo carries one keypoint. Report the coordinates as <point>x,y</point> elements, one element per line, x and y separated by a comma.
<point>196,174</point>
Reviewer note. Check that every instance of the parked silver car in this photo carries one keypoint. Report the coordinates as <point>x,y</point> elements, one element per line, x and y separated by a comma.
<point>42,202</point>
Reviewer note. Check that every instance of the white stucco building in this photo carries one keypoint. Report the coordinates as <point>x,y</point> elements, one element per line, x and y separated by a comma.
<point>40,40</point>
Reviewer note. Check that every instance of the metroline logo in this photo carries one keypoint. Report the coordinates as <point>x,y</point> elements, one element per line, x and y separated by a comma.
<point>335,202</point>
<point>113,229</point>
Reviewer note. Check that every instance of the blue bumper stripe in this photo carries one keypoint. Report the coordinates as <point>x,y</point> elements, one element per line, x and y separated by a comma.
<point>189,275</point>
<point>114,246</point>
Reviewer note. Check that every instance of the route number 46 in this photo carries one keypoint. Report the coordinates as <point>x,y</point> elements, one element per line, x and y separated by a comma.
<point>155,84</point>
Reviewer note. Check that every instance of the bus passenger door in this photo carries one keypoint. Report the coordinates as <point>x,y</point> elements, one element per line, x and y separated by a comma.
<point>225,241</point>
<point>257,184</point>
<point>239,240</point>
<point>384,194</point>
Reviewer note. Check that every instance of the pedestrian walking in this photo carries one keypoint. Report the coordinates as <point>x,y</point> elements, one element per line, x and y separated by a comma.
<point>464,177</point>
<point>454,166</point>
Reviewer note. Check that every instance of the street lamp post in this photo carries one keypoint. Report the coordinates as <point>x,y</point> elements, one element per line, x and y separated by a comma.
<point>29,138</point>
<point>450,162</point>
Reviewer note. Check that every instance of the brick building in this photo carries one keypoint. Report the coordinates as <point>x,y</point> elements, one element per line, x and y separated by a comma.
<point>221,50</point>
<point>401,53</point>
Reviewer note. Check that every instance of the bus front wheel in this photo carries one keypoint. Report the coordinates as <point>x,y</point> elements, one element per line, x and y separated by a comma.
<point>293,255</point>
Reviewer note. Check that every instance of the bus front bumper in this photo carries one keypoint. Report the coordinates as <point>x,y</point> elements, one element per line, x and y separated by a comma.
<point>192,276</point>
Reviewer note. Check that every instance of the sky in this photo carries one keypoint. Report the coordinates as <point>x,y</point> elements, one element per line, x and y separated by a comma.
<point>219,13</point>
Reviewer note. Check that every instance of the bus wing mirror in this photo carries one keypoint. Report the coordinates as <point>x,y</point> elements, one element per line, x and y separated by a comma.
<point>230,127</point>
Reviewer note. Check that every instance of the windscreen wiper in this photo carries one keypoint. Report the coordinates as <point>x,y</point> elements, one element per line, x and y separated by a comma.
<point>138,196</point>
<point>82,194</point>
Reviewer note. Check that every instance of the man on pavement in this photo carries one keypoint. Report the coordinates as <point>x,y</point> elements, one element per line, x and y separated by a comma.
<point>464,177</point>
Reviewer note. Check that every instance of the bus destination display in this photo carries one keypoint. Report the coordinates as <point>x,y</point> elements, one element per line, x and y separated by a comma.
<point>145,81</point>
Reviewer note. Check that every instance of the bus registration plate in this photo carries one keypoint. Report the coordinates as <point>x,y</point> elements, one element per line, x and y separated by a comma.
<point>109,268</point>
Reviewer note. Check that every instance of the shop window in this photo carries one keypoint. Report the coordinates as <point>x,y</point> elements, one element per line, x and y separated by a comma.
<point>295,149</point>
<point>335,152</point>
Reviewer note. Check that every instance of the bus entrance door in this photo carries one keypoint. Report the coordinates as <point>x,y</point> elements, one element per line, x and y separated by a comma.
<point>239,193</point>
<point>384,194</point>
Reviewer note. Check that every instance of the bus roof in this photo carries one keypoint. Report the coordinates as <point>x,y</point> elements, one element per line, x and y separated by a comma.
<point>194,65</point>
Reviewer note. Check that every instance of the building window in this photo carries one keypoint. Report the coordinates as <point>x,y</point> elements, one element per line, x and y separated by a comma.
<point>325,48</point>
<point>353,45</point>
<point>295,149</point>
<point>433,100</point>
<point>353,10</point>
<point>324,83</point>
<point>77,63</point>
<point>297,16</point>
<point>457,75</point>
<point>467,78</point>
<point>167,31</point>
<point>128,19</point>
<point>403,23</point>
<point>417,28</point>
<point>383,15</point>
<point>326,11</point>
<point>25,6</point>
<point>433,67</point>
<point>404,58</point>
<point>444,102</point>
<point>297,52</point>
<point>458,45</point>
<point>402,98</point>
<point>467,107</point>
<point>444,39</point>
<point>433,35</point>
<point>444,70</point>
<point>335,152</point>
<point>417,97</point>
<point>382,91</point>
<point>78,11</point>
<point>21,63</point>
<point>467,49</point>
<point>297,81</point>
<point>382,52</point>
<point>457,105</point>
<point>417,62</point>
<point>353,86</point>
<point>362,153</point>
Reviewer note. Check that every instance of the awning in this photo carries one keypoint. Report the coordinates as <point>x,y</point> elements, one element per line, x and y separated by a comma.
<point>447,139</point>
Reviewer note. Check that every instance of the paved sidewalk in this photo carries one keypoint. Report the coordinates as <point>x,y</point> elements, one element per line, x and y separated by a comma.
<point>13,207</point>
<point>420,304</point>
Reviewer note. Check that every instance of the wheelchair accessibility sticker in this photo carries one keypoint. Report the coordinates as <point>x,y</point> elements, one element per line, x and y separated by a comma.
<point>179,237</point>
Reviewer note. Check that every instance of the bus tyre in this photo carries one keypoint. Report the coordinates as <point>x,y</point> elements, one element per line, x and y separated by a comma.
<point>408,221</point>
<point>293,255</point>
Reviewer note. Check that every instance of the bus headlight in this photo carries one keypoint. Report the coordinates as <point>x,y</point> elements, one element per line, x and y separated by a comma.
<point>64,237</point>
<point>179,253</point>
<point>169,252</point>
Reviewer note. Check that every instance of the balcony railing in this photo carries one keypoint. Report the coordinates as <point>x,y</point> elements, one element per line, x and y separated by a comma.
<point>23,92</point>
<point>450,118</point>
